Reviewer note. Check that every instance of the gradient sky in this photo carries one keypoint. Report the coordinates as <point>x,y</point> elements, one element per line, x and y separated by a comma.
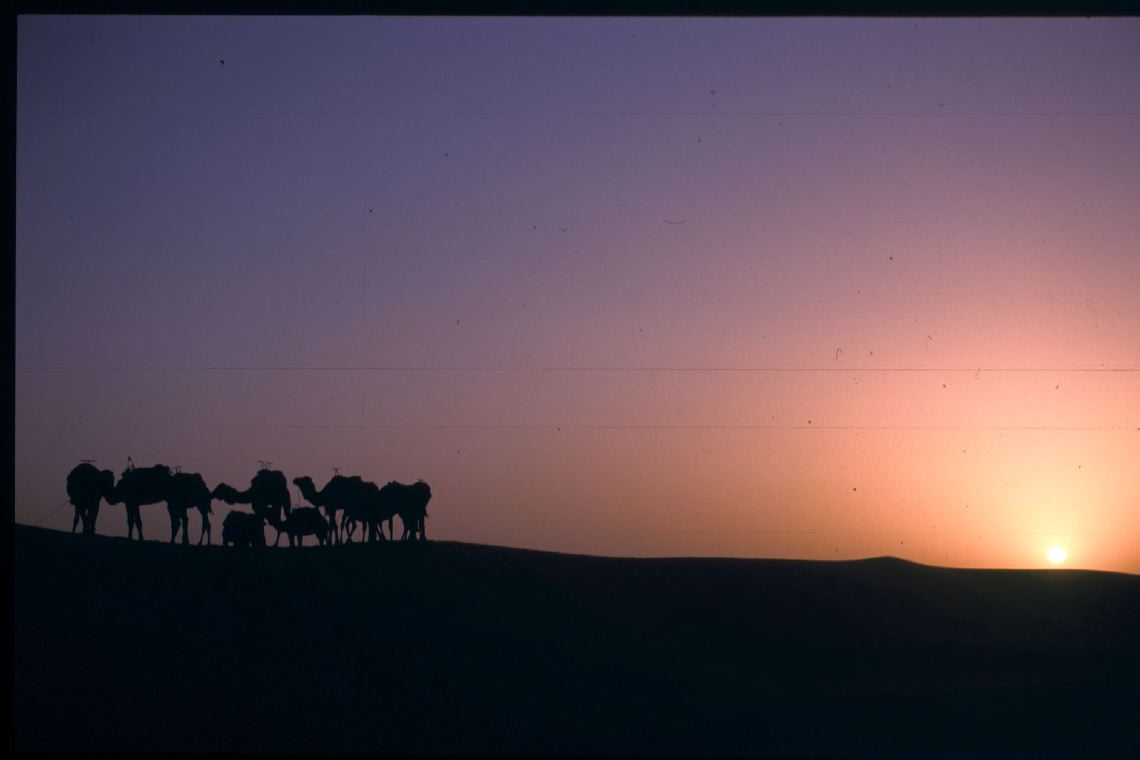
<point>901,315</point>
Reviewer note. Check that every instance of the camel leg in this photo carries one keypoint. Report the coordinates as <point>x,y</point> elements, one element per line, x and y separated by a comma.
<point>174,522</point>
<point>185,529</point>
<point>91,514</point>
<point>75,522</point>
<point>391,534</point>
<point>130,523</point>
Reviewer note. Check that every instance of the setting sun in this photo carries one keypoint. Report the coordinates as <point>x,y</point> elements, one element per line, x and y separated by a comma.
<point>1057,555</point>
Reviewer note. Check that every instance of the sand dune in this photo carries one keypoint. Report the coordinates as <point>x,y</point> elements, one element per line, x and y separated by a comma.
<point>451,647</point>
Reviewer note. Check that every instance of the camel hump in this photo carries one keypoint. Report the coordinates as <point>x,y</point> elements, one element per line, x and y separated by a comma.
<point>81,471</point>
<point>188,477</point>
<point>150,474</point>
<point>154,469</point>
<point>275,477</point>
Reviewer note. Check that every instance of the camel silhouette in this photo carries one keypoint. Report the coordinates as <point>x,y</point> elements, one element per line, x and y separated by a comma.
<point>186,490</point>
<point>410,503</point>
<point>331,499</point>
<point>243,529</point>
<point>267,495</point>
<point>357,498</point>
<point>305,521</point>
<point>369,512</point>
<point>87,486</point>
<point>138,486</point>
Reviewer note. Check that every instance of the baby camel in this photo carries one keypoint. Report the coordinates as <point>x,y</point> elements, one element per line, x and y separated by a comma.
<point>305,521</point>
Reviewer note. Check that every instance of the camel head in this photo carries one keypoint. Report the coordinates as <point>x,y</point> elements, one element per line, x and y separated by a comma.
<point>308,489</point>
<point>106,481</point>
<point>226,493</point>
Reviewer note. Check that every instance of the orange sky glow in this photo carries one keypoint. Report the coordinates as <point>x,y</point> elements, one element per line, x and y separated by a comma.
<point>822,289</point>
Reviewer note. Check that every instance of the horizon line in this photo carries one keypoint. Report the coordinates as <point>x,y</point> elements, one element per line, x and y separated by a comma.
<point>544,368</point>
<point>627,557</point>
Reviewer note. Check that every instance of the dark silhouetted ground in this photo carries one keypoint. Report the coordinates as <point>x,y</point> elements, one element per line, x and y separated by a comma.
<point>450,647</point>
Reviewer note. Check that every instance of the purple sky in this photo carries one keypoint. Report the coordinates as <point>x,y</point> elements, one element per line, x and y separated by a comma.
<point>440,248</point>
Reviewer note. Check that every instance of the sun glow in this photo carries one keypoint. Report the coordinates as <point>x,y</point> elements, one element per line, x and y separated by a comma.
<point>1057,554</point>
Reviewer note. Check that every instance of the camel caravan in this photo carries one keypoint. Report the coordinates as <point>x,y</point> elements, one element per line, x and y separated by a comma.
<point>349,503</point>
